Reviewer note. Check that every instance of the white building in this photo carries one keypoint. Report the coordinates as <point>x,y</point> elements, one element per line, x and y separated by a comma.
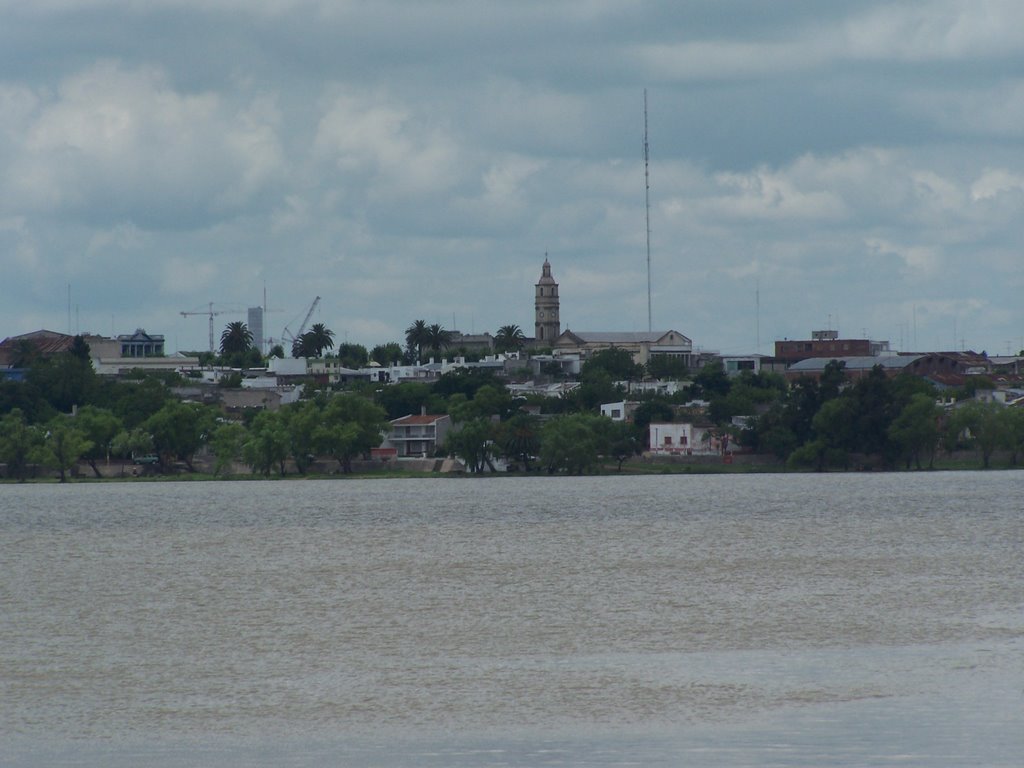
<point>621,411</point>
<point>682,439</point>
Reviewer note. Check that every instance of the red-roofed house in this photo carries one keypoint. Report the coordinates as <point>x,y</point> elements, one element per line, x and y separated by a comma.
<point>417,436</point>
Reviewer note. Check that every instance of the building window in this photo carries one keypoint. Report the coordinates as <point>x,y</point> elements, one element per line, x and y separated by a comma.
<point>668,439</point>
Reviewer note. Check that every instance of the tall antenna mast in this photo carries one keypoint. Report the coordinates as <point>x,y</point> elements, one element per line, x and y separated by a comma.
<point>757,323</point>
<point>647,210</point>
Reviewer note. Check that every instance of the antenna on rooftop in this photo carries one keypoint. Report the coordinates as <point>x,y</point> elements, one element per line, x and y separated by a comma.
<point>647,210</point>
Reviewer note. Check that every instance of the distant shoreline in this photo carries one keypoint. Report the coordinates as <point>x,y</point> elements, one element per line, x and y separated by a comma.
<point>85,474</point>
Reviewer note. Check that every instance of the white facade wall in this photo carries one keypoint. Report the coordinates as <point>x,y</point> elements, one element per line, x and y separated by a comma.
<point>681,440</point>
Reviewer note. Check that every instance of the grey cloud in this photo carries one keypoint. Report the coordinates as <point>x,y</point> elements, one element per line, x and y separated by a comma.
<point>850,159</point>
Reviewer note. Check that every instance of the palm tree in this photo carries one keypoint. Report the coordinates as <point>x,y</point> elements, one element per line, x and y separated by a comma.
<point>438,338</point>
<point>303,347</point>
<point>509,338</point>
<point>236,338</point>
<point>320,338</point>
<point>417,336</point>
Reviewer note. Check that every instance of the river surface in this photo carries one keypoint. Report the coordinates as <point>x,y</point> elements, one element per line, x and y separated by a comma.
<point>771,620</point>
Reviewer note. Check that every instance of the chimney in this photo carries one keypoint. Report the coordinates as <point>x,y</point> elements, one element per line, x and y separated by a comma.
<point>423,410</point>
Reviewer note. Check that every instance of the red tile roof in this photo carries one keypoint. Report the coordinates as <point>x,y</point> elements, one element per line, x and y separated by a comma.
<point>417,419</point>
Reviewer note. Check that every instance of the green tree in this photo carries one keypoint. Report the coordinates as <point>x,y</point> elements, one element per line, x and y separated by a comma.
<point>438,338</point>
<point>266,446</point>
<point>621,441</point>
<point>25,397</point>
<point>985,425</point>
<point>492,400</point>
<point>712,381</point>
<point>236,338</point>
<point>656,410</point>
<point>509,338</point>
<point>64,380</point>
<point>132,444</point>
<point>464,380</point>
<point>62,447</point>
<point>667,368</point>
<point>321,338</point>
<point>387,354</point>
<point>99,426</point>
<point>351,425</point>
<point>916,430</point>
<point>596,387</point>
<point>616,362</point>
<point>136,401</point>
<point>748,393</point>
<point>303,346</point>
<point>250,358</point>
<point>276,351</point>
<point>353,355</point>
<point>417,336</point>
<point>80,350</point>
<point>571,443</point>
<point>874,410</point>
<point>834,429</point>
<point>833,379</point>
<point>405,398</point>
<point>1014,419</point>
<point>473,442</point>
<point>739,402</point>
<point>179,430</point>
<point>519,438</point>
<point>18,440</point>
<point>772,434</point>
<point>787,425</point>
<point>301,421</point>
<point>226,443</point>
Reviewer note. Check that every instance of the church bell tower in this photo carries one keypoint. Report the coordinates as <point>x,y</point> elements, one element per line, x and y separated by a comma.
<point>547,326</point>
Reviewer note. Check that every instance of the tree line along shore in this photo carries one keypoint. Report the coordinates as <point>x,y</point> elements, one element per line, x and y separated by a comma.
<point>62,420</point>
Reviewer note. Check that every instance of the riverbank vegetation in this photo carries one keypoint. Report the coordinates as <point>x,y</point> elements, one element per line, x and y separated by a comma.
<point>63,418</point>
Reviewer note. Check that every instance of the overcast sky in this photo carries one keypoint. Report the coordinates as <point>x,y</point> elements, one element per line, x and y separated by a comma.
<point>857,165</point>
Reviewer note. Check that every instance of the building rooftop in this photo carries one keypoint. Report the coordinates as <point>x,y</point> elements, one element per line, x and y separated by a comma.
<point>892,362</point>
<point>418,418</point>
<point>622,337</point>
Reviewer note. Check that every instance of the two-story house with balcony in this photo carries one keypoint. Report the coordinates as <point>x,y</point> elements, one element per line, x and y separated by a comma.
<point>417,436</point>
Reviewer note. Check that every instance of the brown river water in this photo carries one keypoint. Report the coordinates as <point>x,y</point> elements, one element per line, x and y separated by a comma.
<point>770,620</point>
